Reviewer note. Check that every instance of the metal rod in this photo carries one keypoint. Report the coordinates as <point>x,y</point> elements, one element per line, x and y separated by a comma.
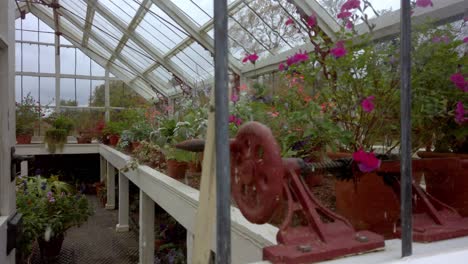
<point>406,177</point>
<point>223,184</point>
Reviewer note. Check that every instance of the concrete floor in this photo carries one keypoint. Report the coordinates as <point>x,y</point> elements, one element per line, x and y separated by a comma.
<point>96,241</point>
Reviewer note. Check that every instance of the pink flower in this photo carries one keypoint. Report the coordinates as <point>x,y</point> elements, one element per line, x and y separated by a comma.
<point>235,120</point>
<point>297,58</point>
<point>344,15</point>
<point>438,39</point>
<point>290,21</point>
<point>273,114</point>
<point>465,40</point>
<point>459,82</point>
<point>424,3</point>
<point>281,67</point>
<point>350,4</point>
<point>312,21</point>
<point>349,24</point>
<point>339,50</point>
<point>367,162</point>
<point>368,104</point>
<point>243,87</point>
<point>250,57</point>
<point>234,98</point>
<point>460,114</point>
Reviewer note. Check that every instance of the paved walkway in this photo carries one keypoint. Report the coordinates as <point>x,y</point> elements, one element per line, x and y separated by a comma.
<point>96,241</point>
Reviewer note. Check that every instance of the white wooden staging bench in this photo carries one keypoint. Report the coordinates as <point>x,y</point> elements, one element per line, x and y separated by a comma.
<point>181,202</point>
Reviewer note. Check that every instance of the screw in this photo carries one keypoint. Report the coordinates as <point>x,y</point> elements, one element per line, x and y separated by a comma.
<point>304,248</point>
<point>362,238</point>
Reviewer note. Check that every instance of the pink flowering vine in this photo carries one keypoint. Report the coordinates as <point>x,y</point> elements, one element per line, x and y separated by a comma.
<point>235,120</point>
<point>234,98</point>
<point>250,57</point>
<point>289,22</point>
<point>350,5</point>
<point>465,40</point>
<point>366,161</point>
<point>460,114</point>
<point>424,3</point>
<point>312,21</point>
<point>339,50</point>
<point>344,15</point>
<point>297,58</point>
<point>459,80</point>
<point>368,104</point>
<point>282,67</point>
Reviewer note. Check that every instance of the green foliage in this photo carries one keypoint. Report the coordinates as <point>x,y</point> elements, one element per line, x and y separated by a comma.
<point>56,137</point>
<point>114,128</point>
<point>27,113</point>
<point>49,207</point>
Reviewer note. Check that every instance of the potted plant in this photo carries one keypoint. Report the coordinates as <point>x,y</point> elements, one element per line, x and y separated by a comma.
<point>28,113</point>
<point>49,208</point>
<point>141,131</point>
<point>177,162</point>
<point>113,130</point>
<point>85,128</point>
<point>56,137</point>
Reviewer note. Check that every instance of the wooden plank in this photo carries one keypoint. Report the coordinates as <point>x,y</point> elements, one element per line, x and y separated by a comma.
<point>205,220</point>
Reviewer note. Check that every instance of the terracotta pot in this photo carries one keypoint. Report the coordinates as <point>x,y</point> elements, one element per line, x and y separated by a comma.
<point>23,139</point>
<point>370,204</point>
<point>51,249</point>
<point>83,140</point>
<point>448,180</point>
<point>113,140</point>
<point>194,167</point>
<point>176,169</point>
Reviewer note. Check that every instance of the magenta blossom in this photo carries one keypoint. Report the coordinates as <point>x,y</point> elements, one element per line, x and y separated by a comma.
<point>235,120</point>
<point>444,39</point>
<point>424,3</point>
<point>290,21</point>
<point>350,4</point>
<point>459,82</point>
<point>349,24</point>
<point>234,98</point>
<point>339,50</point>
<point>297,58</point>
<point>366,161</point>
<point>465,40</point>
<point>368,104</point>
<point>250,57</point>
<point>460,114</point>
<point>282,67</point>
<point>312,21</point>
<point>344,15</point>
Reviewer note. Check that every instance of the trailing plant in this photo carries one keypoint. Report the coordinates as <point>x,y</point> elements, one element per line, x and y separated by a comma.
<point>28,113</point>
<point>56,137</point>
<point>49,208</point>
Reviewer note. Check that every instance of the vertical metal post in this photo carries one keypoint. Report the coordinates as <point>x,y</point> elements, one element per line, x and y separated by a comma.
<point>406,177</point>
<point>223,184</point>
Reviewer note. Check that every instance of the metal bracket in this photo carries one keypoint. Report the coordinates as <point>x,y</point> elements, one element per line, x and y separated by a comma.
<point>14,227</point>
<point>15,161</point>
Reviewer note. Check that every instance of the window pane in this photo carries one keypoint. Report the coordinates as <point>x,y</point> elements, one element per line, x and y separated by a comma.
<point>30,58</point>
<point>96,69</point>
<point>83,88</point>
<point>67,60</point>
<point>97,94</point>
<point>47,91</point>
<point>67,90</point>
<point>83,63</point>
<point>31,86</point>
<point>18,92</point>
<point>47,59</point>
<point>18,61</point>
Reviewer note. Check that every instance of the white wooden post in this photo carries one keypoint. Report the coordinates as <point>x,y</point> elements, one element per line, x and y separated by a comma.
<point>7,122</point>
<point>110,205</point>
<point>103,169</point>
<point>189,247</point>
<point>146,229</point>
<point>122,226</point>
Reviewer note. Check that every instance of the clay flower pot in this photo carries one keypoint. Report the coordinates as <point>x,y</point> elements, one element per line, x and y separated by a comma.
<point>23,139</point>
<point>176,169</point>
<point>83,140</point>
<point>51,249</point>
<point>113,140</point>
<point>448,182</point>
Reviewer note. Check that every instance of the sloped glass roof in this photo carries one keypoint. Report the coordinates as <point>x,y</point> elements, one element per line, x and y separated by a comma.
<point>151,41</point>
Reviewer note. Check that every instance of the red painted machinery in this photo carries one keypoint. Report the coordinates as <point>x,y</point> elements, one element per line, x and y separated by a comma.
<point>310,232</point>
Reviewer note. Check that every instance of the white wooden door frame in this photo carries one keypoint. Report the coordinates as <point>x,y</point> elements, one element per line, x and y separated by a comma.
<point>7,121</point>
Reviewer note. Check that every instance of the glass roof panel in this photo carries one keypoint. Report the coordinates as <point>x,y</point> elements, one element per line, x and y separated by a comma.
<point>97,50</point>
<point>123,9</point>
<point>105,30</point>
<point>134,56</point>
<point>162,74</point>
<point>129,74</point>
<point>200,12</point>
<point>77,8</point>
<point>161,30</point>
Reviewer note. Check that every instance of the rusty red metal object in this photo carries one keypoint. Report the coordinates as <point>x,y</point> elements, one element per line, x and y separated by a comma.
<point>432,219</point>
<point>260,177</point>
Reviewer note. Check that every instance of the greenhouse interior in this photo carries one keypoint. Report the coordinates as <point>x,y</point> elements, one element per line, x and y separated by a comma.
<point>233,131</point>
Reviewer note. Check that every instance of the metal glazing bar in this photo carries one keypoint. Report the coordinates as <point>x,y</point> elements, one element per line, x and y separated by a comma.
<point>406,177</point>
<point>223,184</point>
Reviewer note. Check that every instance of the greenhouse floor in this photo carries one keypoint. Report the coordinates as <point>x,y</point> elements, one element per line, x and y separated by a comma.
<point>96,241</point>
